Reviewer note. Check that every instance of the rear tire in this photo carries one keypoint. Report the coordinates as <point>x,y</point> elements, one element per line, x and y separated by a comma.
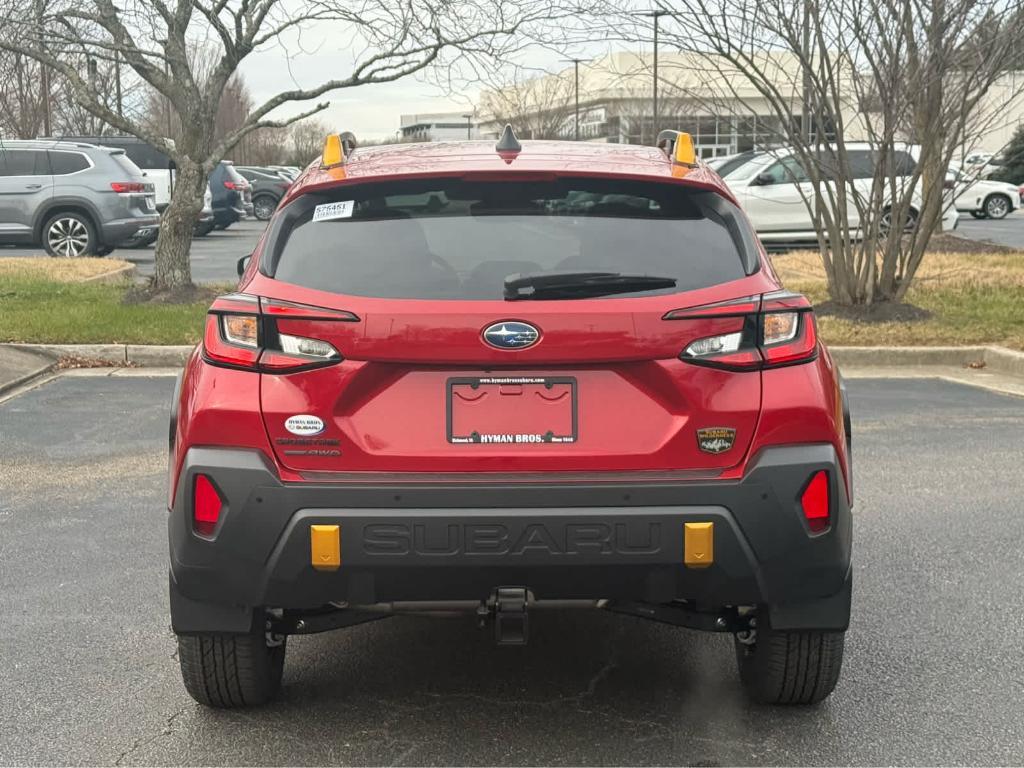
<point>997,206</point>
<point>790,667</point>
<point>231,671</point>
<point>263,207</point>
<point>69,235</point>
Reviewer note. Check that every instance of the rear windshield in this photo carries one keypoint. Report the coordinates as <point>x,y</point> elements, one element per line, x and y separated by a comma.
<point>461,238</point>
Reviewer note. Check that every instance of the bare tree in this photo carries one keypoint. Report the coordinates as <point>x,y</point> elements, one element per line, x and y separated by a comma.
<point>540,106</point>
<point>831,72</point>
<point>307,140</point>
<point>22,105</point>
<point>153,37</point>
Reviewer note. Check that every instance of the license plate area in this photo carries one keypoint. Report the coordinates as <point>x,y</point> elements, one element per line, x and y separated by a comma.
<point>512,410</point>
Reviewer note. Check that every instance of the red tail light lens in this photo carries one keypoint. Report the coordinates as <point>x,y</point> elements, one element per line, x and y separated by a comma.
<point>206,506</point>
<point>127,186</point>
<point>242,332</point>
<point>231,185</point>
<point>771,331</point>
<point>814,502</point>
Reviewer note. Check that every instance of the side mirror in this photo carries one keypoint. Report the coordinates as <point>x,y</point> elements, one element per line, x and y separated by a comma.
<point>764,180</point>
<point>243,263</point>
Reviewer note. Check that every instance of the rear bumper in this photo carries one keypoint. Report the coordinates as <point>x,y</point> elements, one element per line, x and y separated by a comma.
<point>116,230</point>
<point>419,542</point>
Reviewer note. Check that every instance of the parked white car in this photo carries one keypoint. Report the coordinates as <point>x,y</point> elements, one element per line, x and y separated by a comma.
<point>982,198</point>
<point>772,186</point>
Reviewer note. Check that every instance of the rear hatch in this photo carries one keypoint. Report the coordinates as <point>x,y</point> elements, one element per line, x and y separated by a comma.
<point>485,326</point>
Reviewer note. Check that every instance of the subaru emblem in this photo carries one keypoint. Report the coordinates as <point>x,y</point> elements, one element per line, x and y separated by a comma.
<point>511,334</point>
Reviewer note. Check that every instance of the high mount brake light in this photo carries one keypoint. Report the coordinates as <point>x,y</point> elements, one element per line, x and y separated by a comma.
<point>777,329</point>
<point>242,332</point>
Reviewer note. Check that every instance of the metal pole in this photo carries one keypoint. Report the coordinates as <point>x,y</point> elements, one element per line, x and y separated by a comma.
<point>576,64</point>
<point>656,17</point>
<point>44,70</point>
<point>117,78</point>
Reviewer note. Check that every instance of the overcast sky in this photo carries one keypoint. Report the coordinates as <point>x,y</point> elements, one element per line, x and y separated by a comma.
<point>370,111</point>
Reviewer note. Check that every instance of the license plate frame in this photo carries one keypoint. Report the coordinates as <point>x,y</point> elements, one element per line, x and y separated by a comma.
<point>545,438</point>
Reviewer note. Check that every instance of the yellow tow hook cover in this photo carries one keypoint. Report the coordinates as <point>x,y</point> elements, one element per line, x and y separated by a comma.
<point>698,545</point>
<point>325,547</point>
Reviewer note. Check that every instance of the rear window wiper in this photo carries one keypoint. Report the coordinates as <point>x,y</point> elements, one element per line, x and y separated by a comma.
<point>579,285</point>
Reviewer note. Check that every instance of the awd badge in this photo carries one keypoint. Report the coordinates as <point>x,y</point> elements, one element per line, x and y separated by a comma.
<point>716,439</point>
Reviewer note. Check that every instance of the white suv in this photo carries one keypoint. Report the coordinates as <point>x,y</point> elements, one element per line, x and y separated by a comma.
<point>771,187</point>
<point>982,198</point>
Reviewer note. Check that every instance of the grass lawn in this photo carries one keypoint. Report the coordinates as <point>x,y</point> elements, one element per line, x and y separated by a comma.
<point>975,298</point>
<point>45,311</point>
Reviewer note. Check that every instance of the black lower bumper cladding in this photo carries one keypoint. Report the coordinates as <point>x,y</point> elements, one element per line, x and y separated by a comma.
<point>617,541</point>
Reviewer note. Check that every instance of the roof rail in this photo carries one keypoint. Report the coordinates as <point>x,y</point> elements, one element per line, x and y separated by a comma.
<point>678,146</point>
<point>337,148</point>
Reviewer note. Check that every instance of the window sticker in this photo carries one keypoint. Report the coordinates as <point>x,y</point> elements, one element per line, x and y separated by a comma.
<point>331,211</point>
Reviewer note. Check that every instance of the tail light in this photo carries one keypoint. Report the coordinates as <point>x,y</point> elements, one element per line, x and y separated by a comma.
<point>769,331</point>
<point>242,332</point>
<point>127,186</point>
<point>232,185</point>
<point>206,506</point>
<point>814,502</point>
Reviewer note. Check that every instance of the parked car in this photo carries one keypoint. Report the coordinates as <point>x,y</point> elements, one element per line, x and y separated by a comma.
<point>232,197</point>
<point>157,166</point>
<point>74,199</point>
<point>772,187</point>
<point>983,198</point>
<point>577,383</point>
<point>268,187</point>
<point>290,172</point>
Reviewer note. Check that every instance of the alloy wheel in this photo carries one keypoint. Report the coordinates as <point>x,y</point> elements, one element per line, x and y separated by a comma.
<point>996,207</point>
<point>263,208</point>
<point>68,237</point>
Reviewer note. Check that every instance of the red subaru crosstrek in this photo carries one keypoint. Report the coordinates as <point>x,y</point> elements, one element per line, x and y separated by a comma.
<point>494,378</point>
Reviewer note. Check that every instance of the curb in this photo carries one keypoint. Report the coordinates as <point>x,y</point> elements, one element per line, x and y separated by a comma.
<point>993,359</point>
<point>124,272</point>
<point>142,355</point>
<point>996,359</point>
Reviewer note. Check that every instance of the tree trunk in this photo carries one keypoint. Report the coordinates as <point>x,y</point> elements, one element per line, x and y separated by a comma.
<point>173,267</point>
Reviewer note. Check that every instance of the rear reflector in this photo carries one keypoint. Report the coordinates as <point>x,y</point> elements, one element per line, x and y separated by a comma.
<point>698,545</point>
<point>206,506</point>
<point>814,502</point>
<point>325,547</point>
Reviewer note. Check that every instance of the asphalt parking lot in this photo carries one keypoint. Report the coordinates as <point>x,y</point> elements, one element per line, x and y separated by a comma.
<point>214,257</point>
<point>88,672</point>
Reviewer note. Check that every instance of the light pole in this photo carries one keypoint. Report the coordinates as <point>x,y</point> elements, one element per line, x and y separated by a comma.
<point>655,14</point>
<point>576,67</point>
<point>469,125</point>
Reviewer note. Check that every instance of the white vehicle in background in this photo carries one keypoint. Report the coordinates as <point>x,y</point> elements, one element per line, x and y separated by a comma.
<point>289,172</point>
<point>772,187</point>
<point>157,166</point>
<point>982,198</point>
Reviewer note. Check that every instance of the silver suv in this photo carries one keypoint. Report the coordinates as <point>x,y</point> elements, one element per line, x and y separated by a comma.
<point>74,199</point>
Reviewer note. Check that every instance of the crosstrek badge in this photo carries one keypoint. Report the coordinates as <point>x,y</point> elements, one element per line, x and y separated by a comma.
<point>716,439</point>
<point>304,424</point>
